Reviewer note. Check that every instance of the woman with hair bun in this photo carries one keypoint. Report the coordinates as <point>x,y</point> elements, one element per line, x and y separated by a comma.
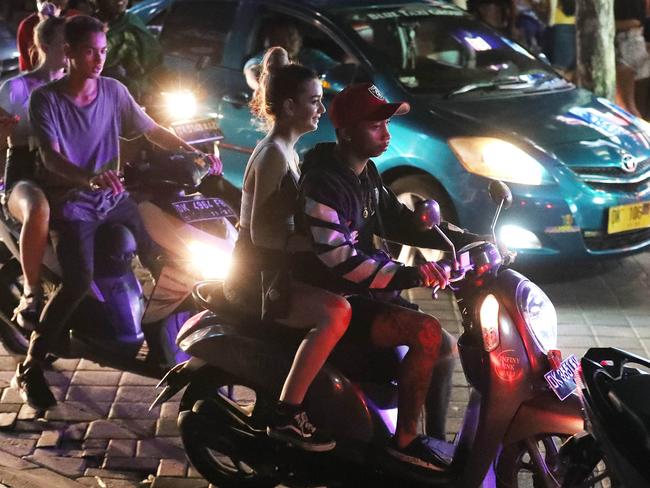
<point>289,100</point>
<point>24,198</point>
<point>25,37</point>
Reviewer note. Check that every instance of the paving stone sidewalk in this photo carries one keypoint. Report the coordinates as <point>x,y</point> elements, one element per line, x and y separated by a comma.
<point>102,434</point>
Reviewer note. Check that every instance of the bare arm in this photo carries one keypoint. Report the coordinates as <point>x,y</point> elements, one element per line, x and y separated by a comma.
<point>58,164</point>
<point>268,173</point>
<point>167,139</point>
<point>627,24</point>
<point>252,75</point>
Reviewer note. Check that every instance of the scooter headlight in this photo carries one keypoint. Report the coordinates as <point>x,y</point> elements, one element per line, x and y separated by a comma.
<point>539,313</point>
<point>209,262</point>
<point>489,315</point>
<point>180,105</point>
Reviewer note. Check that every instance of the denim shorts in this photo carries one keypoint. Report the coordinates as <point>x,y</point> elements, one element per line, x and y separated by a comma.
<point>631,51</point>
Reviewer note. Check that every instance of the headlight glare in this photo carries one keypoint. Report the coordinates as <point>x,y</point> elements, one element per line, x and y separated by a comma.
<point>208,262</point>
<point>499,160</point>
<point>539,313</point>
<point>180,105</point>
<point>515,237</point>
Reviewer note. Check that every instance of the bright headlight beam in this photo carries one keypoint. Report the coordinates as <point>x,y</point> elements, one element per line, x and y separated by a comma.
<point>209,262</point>
<point>180,105</point>
<point>498,159</point>
<point>515,237</point>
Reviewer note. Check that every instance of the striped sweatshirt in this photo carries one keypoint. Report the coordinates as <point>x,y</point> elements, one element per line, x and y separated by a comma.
<point>334,203</point>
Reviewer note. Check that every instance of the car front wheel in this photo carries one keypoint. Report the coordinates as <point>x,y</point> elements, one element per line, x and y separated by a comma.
<point>409,190</point>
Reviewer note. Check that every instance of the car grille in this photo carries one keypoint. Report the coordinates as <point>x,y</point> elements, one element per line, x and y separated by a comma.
<point>607,242</point>
<point>612,178</point>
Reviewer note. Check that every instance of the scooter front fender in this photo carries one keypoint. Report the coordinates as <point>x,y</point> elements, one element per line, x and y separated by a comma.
<point>545,413</point>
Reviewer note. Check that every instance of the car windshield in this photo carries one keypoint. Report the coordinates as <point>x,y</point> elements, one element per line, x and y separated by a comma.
<point>438,48</point>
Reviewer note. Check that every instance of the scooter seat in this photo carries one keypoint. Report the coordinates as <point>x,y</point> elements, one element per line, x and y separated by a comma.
<point>354,355</point>
<point>210,295</point>
<point>12,224</point>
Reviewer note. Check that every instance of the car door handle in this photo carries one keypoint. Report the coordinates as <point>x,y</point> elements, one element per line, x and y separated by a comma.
<point>237,99</point>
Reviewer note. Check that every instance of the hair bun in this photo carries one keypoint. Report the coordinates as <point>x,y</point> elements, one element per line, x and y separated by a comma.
<point>48,9</point>
<point>274,59</point>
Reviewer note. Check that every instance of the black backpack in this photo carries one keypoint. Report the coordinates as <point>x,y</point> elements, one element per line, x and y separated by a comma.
<point>568,7</point>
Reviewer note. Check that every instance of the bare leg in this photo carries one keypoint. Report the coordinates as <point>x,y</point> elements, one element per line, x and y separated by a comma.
<point>625,93</point>
<point>422,334</point>
<point>437,402</point>
<point>28,204</point>
<point>328,316</point>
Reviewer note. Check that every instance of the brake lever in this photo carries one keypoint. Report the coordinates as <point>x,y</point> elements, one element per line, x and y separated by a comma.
<point>456,275</point>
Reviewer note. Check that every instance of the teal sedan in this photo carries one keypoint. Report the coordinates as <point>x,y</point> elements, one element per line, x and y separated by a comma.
<point>483,108</point>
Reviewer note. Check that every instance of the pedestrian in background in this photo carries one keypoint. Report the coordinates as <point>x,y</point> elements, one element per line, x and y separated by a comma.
<point>632,59</point>
<point>561,36</point>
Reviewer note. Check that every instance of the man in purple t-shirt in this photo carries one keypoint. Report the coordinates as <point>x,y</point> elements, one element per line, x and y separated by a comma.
<point>77,121</point>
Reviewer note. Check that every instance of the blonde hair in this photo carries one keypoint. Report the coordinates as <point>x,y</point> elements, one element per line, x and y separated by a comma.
<point>44,34</point>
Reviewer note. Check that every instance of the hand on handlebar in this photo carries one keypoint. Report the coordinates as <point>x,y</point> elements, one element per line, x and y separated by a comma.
<point>434,275</point>
<point>107,179</point>
<point>212,160</point>
<point>216,166</point>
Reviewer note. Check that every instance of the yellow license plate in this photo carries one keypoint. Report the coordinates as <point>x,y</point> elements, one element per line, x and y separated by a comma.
<point>628,217</point>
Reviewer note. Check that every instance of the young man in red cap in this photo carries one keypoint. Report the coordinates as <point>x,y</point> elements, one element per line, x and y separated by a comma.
<point>342,195</point>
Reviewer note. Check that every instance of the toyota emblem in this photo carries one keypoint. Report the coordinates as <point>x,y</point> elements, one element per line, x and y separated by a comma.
<point>628,163</point>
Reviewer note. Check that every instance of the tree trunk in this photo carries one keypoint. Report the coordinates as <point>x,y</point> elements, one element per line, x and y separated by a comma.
<point>596,66</point>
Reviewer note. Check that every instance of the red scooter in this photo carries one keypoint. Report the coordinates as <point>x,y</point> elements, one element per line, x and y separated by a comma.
<point>513,425</point>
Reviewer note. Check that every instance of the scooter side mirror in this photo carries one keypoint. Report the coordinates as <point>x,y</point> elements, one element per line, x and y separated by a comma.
<point>427,214</point>
<point>500,193</point>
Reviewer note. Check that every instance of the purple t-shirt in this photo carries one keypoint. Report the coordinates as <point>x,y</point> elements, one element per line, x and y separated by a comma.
<point>89,137</point>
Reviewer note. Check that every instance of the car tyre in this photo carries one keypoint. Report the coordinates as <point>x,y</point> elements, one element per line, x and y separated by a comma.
<point>410,189</point>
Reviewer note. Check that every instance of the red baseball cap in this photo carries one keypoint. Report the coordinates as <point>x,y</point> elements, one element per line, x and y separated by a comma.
<point>361,102</point>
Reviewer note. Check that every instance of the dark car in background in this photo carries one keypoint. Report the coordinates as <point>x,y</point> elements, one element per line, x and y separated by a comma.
<point>483,108</point>
<point>8,51</point>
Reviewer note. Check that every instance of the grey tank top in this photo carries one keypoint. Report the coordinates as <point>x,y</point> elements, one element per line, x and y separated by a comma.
<point>279,208</point>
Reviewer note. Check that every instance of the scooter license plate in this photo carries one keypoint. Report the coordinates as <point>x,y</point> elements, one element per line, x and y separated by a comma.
<point>203,209</point>
<point>198,131</point>
<point>562,379</point>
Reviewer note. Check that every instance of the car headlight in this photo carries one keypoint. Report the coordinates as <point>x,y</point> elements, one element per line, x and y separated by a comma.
<point>180,105</point>
<point>499,160</point>
<point>539,313</point>
<point>208,262</point>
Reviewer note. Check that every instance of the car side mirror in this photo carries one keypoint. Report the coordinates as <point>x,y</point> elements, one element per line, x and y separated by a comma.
<point>500,193</point>
<point>427,214</point>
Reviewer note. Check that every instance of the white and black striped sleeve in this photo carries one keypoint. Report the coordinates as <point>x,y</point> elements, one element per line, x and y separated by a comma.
<point>331,237</point>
